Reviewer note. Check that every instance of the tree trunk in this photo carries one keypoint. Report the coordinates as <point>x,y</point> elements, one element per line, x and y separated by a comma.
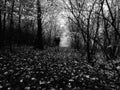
<point>88,34</point>
<point>39,38</point>
<point>11,26</point>
<point>0,28</point>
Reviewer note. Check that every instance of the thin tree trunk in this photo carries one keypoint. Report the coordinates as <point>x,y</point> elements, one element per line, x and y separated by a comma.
<point>4,22</point>
<point>19,26</point>
<point>113,19</point>
<point>39,38</point>
<point>93,49</point>
<point>0,28</point>
<point>88,40</point>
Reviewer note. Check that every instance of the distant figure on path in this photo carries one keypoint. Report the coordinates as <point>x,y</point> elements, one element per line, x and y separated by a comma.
<point>57,41</point>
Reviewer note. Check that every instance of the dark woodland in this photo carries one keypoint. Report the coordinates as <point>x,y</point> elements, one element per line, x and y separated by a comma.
<point>59,45</point>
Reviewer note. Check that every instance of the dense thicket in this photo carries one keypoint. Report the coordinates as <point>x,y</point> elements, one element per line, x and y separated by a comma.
<point>97,23</point>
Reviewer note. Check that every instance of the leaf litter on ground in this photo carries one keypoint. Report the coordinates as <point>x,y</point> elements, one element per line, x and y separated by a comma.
<point>54,69</point>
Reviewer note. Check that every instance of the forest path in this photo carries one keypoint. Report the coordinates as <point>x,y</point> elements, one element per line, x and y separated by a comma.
<point>26,67</point>
<point>51,69</point>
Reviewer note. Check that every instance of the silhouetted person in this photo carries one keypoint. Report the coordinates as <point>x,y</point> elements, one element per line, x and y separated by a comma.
<point>57,41</point>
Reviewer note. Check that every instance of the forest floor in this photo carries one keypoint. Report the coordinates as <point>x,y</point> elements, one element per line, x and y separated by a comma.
<point>56,69</point>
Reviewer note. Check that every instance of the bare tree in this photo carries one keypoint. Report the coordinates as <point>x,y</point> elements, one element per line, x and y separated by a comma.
<point>39,37</point>
<point>19,24</point>
<point>88,32</point>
